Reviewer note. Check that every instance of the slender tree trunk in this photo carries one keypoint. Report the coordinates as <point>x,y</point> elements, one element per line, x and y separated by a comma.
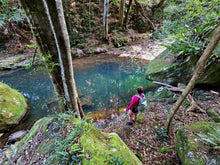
<point>121,13</point>
<point>127,14</point>
<point>140,8</point>
<point>197,73</point>
<point>105,19</point>
<point>159,5</point>
<point>49,28</point>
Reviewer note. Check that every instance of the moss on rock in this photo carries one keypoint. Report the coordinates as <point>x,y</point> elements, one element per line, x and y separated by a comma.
<point>47,144</point>
<point>12,106</point>
<point>166,68</point>
<point>213,115</point>
<point>191,148</point>
<point>104,147</point>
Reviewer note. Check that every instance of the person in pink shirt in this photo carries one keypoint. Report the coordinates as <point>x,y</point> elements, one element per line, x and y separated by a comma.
<point>132,108</point>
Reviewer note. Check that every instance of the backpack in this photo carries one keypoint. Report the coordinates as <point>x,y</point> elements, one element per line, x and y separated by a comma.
<point>142,105</point>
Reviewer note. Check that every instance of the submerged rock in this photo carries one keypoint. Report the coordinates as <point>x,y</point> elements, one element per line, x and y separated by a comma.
<point>198,144</point>
<point>13,107</point>
<point>16,136</point>
<point>13,62</point>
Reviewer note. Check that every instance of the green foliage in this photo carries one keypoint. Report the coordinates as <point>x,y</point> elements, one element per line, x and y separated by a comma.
<point>114,160</point>
<point>140,64</point>
<point>67,149</point>
<point>180,15</point>
<point>43,60</point>
<point>80,23</point>
<point>10,12</point>
<point>161,133</point>
<point>210,139</point>
<point>195,42</point>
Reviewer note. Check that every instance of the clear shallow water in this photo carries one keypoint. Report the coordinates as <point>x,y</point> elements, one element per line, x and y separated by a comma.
<point>108,82</point>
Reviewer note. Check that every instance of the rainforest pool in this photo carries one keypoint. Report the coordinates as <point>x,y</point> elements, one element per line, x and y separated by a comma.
<point>102,81</point>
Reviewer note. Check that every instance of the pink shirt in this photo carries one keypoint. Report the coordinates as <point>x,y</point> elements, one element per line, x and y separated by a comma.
<point>134,102</point>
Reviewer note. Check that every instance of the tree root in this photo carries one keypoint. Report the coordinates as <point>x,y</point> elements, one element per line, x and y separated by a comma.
<point>159,149</point>
<point>193,105</point>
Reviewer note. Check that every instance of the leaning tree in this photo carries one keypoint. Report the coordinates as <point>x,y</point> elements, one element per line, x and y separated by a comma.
<point>200,67</point>
<point>50,31</point>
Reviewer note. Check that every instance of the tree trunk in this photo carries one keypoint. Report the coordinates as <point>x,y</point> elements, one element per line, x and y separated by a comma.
<point>197,73</point>
<point>127,14</point>
<point>159,5</point>
<point>105,19</point>
<point>121,13</point>
<point>49,28</point>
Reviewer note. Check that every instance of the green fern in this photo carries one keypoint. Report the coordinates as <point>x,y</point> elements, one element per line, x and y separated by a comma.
<point>210,139</point>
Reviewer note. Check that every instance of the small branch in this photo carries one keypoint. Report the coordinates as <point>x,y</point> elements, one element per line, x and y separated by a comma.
<point>164,84</point>
<point>171,88</point>
<point>159,149</point>
<point>34,55</point>
<point>80,108</point>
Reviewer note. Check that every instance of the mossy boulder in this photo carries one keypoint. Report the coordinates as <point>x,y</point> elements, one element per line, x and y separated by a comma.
<point>106,146</point>
<point>82,142</point>
<point>215,116</point>
<point>199,143</point>
<point>165,68</point>
<point>13,107</point>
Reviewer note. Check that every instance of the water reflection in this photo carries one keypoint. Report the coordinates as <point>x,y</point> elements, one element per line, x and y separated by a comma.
<point>102,82</point>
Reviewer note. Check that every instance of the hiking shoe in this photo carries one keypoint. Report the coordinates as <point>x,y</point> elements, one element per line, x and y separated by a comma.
<point>128,123</point>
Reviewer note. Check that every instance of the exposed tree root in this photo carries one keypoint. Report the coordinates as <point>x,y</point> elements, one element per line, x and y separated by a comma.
<point>193,105</point>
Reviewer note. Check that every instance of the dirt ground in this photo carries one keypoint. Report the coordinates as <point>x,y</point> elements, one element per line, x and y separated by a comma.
<point>148,134</point>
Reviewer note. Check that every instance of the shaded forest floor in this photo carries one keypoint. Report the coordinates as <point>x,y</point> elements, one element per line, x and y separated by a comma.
<point>148,135</point>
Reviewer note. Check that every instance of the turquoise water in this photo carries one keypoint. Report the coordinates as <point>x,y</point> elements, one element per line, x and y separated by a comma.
<point>108,82</point>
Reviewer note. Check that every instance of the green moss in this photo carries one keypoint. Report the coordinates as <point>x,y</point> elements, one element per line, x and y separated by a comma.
<point>99,147</point>
<point>46,146</point>
<point>99,144</point>
<point>165,149</point>
<point>12,105</point>
<point>158,64</point>
<point>140,118</point>
<point>213,115</point>
<point>188,144</point>
<point>43,123</point>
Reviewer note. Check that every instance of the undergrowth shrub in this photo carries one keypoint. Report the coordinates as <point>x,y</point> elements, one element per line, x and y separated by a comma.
<point>195,41</point>
<point>180,15</point>
<point>66,132</point>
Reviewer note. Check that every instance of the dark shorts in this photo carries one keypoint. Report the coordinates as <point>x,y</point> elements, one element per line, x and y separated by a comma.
<point>134,110</point>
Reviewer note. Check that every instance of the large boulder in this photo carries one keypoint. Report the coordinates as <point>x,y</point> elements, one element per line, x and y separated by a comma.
<point>104,146</point>
<point>67,140</point>
<point>13,107</point>
<point>199,143</point>
<point>164,69</point>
